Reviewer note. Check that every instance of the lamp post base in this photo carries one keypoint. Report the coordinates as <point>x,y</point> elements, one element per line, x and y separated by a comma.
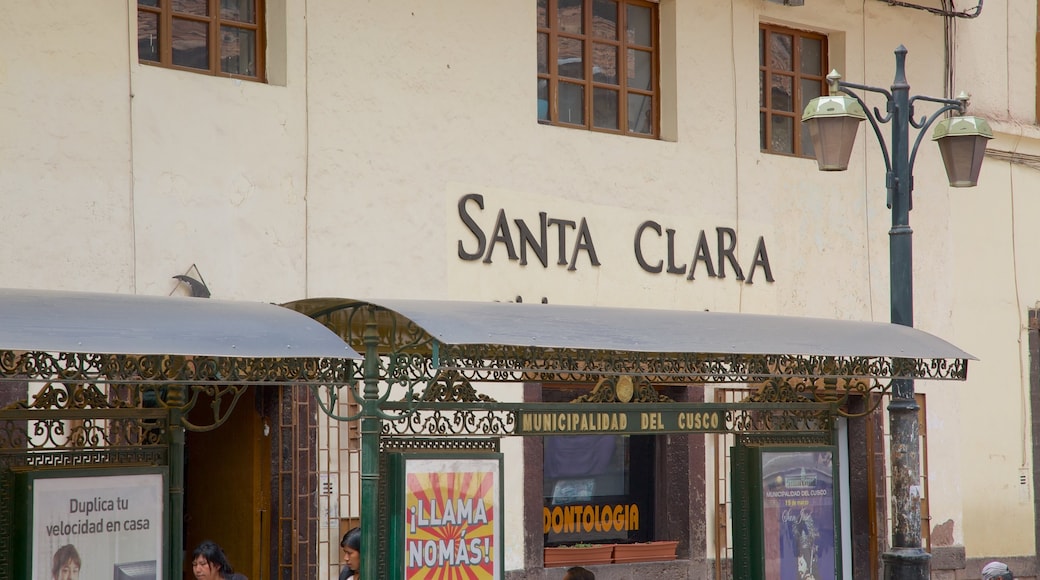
<point>907,564</point>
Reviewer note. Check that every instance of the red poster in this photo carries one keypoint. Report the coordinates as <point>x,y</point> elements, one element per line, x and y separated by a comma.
<point>451,519</point>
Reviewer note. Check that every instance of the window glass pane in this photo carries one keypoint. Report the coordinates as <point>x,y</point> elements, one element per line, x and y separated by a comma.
<point>583,470</point>
<point>807,146</point>
<point>810,90</point>
<point>780,51</point>
<point>190,45</point>
<point>237,51</point>
<point>543,13</point>
<point>640,69</point>
<point>238,10</point>
<point>641,114</point>
<point>569,17</point>
<point>196,7</point>
<point>543,53</point>
<point>781,87</point>
<point>604,63</point>
<point>147,2</point>
<point>543,100</point>
<point>604,19</point>
<point>579,468</point>
<point>783,134</point>
<point>569,61</point>
<point>148,36</point>
<point>811,61</point>
<point>572,104</point>
<point>638,29</point>
<point>605,108</point>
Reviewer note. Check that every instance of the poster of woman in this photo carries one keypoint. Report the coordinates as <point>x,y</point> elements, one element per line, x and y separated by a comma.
<point>97,527</point>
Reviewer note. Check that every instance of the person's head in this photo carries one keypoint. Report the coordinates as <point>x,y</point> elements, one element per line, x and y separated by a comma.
<point>208,562</point>
<point>351,548</point>
<point>996,571</point>
<point>66,563</point>
<point>579,573</point>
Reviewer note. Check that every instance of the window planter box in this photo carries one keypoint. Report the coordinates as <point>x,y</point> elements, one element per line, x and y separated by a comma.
<point>645,552</point>
<point>566,556</point>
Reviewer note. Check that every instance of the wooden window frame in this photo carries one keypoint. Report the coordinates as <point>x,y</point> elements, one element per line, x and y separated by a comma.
<point>766,73</point>
<point>165,14</point>
<point>552,77</point>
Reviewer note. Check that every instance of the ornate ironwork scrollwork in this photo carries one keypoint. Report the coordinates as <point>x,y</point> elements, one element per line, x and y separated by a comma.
<point>516,363</point>
<point>396,334</point>
<point>623,389</point>
<point>123,369</point>
<point>451,387</point>
<point>104,381</point>
<point>59,416</point>
<point>461,422</point>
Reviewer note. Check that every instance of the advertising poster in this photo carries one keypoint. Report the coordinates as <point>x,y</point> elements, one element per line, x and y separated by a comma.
<point>97,528</point>
<point>798,513</point>
<point>451,512</point>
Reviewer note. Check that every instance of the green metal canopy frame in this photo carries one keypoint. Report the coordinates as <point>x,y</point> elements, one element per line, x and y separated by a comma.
<point>435,350</point>
<point>804,369</point>
<point>92,380</point>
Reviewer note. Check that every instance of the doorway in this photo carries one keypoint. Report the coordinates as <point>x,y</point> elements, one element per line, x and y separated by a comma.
<point>227,485</point>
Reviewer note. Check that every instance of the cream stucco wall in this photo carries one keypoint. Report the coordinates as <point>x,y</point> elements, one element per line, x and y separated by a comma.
<point>997,282</point>
<point>65,170</point>
<point>342,175</point>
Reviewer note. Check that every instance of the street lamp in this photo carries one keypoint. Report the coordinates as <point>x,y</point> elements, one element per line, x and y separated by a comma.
<point>832,121</point>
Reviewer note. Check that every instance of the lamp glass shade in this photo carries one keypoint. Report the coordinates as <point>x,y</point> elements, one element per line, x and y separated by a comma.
<point>962,143</point>
<point>833,139</point>
<point>833,121</point>
<point>962,155</point>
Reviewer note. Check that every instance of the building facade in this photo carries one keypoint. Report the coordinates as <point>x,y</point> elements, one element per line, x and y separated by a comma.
<point>599,152</point>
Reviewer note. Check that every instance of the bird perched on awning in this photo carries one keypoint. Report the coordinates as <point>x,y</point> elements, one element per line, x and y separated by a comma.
<point>198,289</point>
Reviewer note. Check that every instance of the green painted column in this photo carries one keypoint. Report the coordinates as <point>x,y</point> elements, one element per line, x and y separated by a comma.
<point>175,401</point>
<point>370,425</point>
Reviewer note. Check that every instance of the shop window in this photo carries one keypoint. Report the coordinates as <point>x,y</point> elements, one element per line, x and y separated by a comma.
<point>598,488</point>
<point>598,65</point>
<point>217,37</point>
<point>792,70</point>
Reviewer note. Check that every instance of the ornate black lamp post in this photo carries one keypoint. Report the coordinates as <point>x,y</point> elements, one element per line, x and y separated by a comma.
<point>832,121</point>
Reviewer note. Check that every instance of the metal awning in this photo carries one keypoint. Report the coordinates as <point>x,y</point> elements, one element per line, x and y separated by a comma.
<point>651,330</point>
<point>128,324</point>
<point>504,341</point>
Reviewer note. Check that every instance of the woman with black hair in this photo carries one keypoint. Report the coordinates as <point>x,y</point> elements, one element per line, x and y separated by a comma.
<point>208,562</point>
<point>351,547</point>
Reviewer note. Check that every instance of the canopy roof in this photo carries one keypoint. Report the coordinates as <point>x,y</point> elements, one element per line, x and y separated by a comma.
<point>649,330</point>
<point>128,324</point>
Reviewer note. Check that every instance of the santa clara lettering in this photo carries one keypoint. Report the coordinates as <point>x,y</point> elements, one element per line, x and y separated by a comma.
<point>725,242</point>
<point>502,234</point>
<point>568,242</point>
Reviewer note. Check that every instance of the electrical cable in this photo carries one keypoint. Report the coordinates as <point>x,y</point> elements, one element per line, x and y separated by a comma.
<point>944,11</point>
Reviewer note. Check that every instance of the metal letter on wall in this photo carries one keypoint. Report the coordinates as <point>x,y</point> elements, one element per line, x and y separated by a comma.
<point>446,516</point>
